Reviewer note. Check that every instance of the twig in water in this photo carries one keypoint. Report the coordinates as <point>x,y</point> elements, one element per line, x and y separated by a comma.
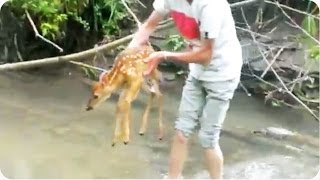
<point>39,35</point>
<point>249,31</point>
<point>87,65</point>
<point>271,63</point>
<point>270,21</point>
<point>266,82</point>
<point>244,89</point>
<point>276,74</point>
<point>273,29</point>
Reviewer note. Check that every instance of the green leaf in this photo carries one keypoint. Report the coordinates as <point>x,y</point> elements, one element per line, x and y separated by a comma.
<point>309,24</point>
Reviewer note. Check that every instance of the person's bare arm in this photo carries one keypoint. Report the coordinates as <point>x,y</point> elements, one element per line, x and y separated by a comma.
<point>201,54</point>
<point>141,37</point>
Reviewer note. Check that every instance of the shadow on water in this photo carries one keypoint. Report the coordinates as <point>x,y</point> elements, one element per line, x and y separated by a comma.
<point>46,133</point>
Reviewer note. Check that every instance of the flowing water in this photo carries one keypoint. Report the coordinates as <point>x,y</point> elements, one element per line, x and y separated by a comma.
<point>46,133</point>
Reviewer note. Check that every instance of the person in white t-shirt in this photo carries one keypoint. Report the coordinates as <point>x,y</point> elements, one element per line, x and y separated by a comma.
<point>215,61</point>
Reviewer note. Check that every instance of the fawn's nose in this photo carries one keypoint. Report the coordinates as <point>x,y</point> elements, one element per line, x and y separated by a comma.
<point>89,108</point>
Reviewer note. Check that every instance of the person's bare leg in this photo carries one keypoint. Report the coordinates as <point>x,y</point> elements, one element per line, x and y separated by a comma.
<point>178,155</point>
<point>214,161</point>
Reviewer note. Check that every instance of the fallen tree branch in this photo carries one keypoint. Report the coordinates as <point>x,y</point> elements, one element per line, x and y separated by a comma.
<point>60,59</point>
<point>276,74</point>
<point>39,35</point>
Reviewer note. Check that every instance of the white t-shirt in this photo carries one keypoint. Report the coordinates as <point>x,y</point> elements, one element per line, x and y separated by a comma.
<point>207,19</point>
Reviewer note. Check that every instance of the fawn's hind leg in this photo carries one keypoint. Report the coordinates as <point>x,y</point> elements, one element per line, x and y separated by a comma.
<point>159,98</point>
<point>160,111</point>
<point>145,116</point>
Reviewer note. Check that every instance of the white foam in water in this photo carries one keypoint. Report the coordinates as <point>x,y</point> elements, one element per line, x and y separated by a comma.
<point>202,175</point>
<point>165,176</point>
<point>2,176</point>
<point>255,170</point>
<point>251,171</point>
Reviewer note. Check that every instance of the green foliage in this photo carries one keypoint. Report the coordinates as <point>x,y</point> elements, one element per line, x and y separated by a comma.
<point>50,16</point>
<point>90,73</point>
<point>309,24</point>
<point>314,52</point>
<point>116,11</point>
<point>175,42</point>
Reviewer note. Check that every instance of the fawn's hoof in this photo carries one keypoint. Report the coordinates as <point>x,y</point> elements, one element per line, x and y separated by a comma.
<point>113,144</point>
<point>160,136</point>
<point>141,134</point>
<point>126,142</point>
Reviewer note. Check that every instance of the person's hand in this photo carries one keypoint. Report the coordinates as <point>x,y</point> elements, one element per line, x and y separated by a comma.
<point>153,60</point>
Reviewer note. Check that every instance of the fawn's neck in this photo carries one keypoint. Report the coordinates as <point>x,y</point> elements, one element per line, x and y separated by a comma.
<point>112,78</point>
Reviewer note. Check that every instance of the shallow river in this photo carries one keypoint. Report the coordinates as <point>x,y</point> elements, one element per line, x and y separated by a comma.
<point>46,133</point>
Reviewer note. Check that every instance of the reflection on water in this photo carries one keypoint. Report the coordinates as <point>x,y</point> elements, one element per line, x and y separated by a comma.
<point>45,133</point>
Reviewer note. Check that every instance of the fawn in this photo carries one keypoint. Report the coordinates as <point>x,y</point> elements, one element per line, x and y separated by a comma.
<point>127,73</point>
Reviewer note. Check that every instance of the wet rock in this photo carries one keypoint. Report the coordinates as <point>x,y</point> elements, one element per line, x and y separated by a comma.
<point>274,132</point>
<point>169,76</point>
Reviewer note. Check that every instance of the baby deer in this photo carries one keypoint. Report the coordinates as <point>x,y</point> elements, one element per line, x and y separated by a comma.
<point>127,73</point>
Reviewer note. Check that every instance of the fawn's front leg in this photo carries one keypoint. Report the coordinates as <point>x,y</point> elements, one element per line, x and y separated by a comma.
<point>124,109</point>
<point>121,109</point>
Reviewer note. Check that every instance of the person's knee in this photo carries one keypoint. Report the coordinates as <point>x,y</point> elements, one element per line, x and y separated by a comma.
<point>184,127</point>
<point>209,139</point>
<point>181,137</point>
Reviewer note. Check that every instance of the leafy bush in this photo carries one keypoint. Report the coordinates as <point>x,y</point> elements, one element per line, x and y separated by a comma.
<point>175,42</point>
<point>98,15</point>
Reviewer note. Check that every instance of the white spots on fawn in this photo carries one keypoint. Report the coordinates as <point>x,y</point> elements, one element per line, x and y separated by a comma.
<point>122,69</point>
<point>131,72</point>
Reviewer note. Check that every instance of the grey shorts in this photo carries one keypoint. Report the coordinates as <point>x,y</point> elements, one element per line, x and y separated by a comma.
<point>204,105</point>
